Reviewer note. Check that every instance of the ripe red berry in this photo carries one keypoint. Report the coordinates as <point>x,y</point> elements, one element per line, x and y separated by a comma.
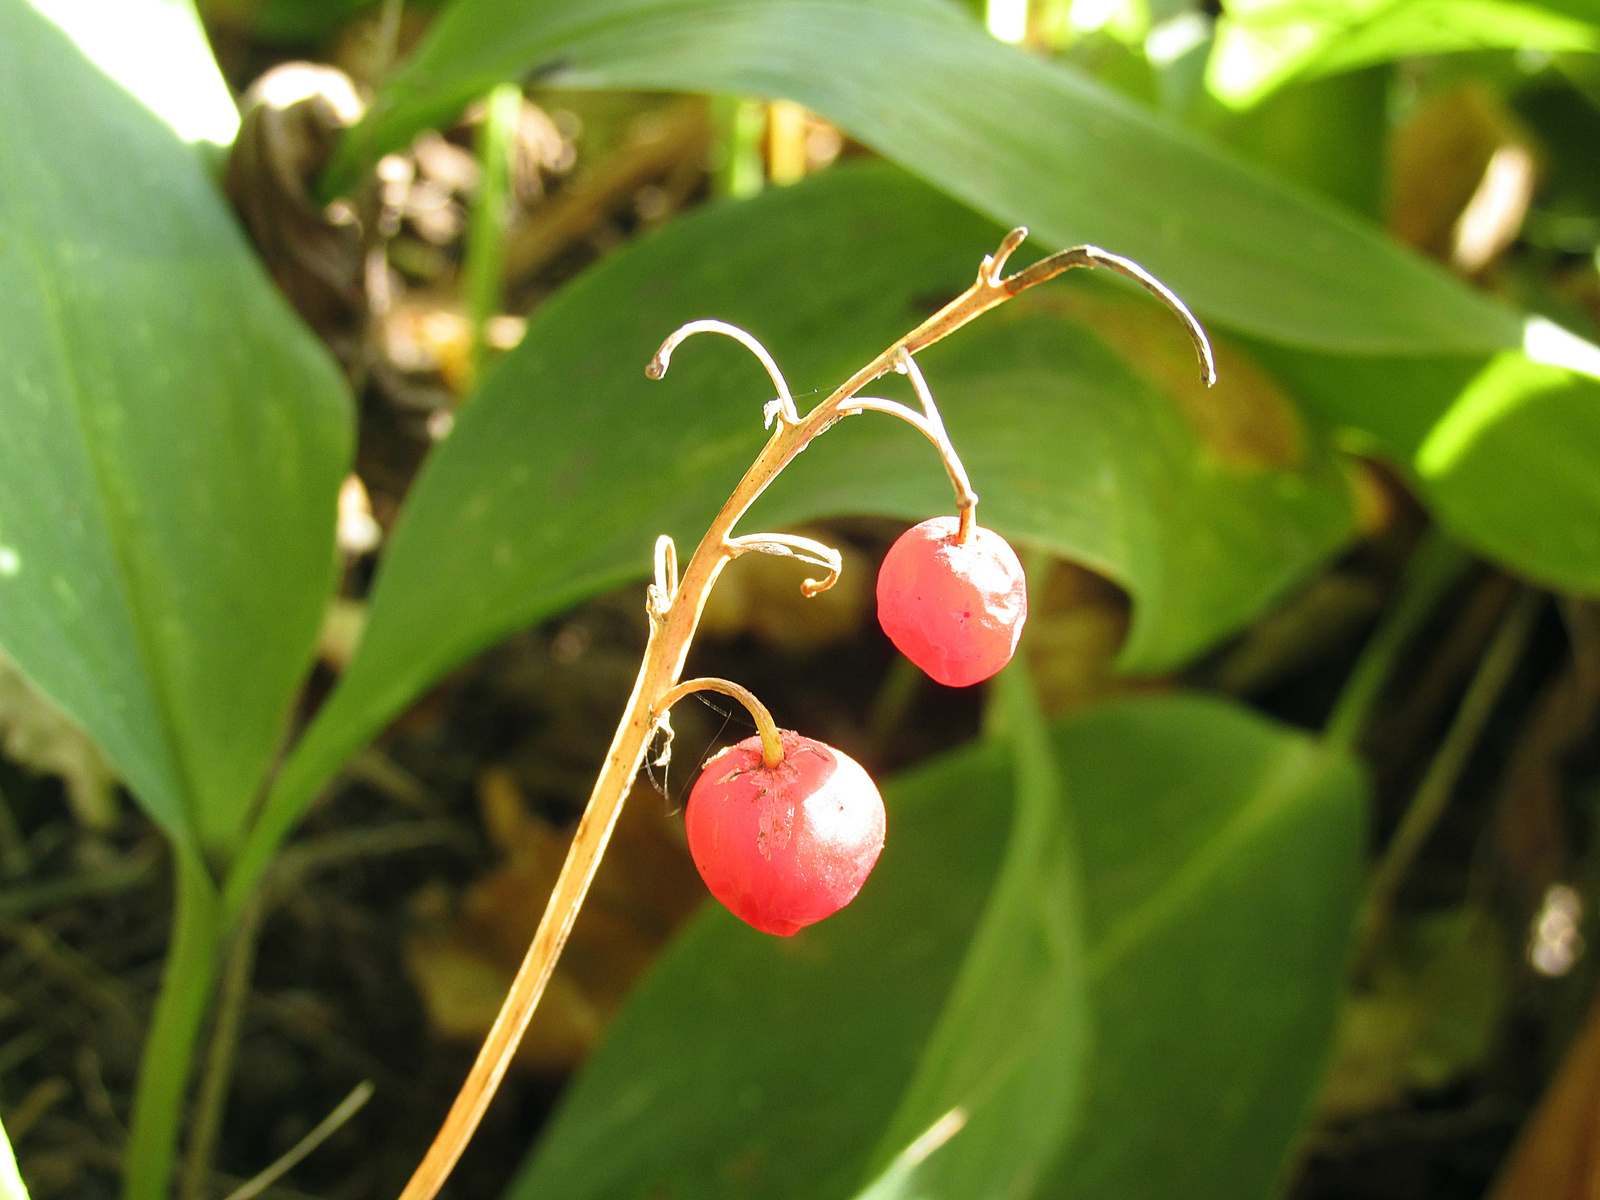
<point>955,609</point>
<point>782,847</point>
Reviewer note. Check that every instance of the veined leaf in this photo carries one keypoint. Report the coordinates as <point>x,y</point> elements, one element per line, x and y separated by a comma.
<point>1077,412</point>
<point>174,437</point>
<point>1001,1077</point>
<point>1018,138</point>
<point>1220,860</point>
<point>1262,44</point>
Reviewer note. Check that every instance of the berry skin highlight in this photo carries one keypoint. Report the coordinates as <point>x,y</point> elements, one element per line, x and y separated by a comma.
<point>782,847</point>
<point>954,608</point>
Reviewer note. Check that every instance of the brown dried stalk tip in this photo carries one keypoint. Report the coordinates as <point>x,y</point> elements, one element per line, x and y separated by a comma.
<point>1092,256</point>
<point>675,605</point>
<point>663,359</point>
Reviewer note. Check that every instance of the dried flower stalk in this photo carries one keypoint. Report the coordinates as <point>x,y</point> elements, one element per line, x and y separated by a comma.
<point>675,607</point>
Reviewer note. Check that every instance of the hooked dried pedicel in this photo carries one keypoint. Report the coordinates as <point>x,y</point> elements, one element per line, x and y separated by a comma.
<point>954,608</point>
<point>782,847</point>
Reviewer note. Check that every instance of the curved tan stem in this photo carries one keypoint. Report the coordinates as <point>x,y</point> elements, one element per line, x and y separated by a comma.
<point>663,359</point>
<point>675,608</point>
<point>1093,256</point>
<point>992,289</point>
<point>966,498</point>
<point>771,744</point>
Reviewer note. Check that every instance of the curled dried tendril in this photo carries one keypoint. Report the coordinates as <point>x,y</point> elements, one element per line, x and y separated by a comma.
<point>660,594</point>
<point>664,730</point>
<point>786,545</point>
<point>989,277</point>
<point>783,407</point>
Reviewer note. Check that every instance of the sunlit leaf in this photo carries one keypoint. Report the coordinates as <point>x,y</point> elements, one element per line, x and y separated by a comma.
<point>1262,44</point>
<point>1220,866</point>
<point>1505,450</point>
<point>174,438</point>
<point>11,1185</point>
<point>1016,137</point>
<point>1078,413</point>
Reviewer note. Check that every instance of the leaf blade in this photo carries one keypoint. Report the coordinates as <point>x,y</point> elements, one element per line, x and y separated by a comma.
<point>738,1055</point>
<point>11,1185</point>
<point>1003,1069</point>
<point>175,441</point>
<point>1017,138</point>
<point>1261,46</point>
<point>1505,449</point>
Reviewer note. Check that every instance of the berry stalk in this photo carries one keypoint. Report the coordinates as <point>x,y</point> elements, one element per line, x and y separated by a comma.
<point>771,743</point>
<point>675,608</point>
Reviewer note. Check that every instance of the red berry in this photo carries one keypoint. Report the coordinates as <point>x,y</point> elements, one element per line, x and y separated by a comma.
<point>782,847</point>
<point>955,609</point>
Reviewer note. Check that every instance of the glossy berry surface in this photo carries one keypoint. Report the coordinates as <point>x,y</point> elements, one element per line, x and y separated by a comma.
<point>785,846</point>
<point>955,609</point>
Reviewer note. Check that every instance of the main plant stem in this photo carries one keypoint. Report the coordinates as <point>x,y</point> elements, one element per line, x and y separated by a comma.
<point>675,610</point>
<point>186,987</point>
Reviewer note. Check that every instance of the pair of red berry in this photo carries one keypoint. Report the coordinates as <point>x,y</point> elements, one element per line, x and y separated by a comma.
<point>784,846</point>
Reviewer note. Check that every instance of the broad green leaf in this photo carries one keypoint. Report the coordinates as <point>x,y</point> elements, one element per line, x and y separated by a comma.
<point>1077,412</point>
<point>11,1185</point>
<point>174,438</point>
<point>1001,1076</point>
<point>1505,450</point>
<point>1262,44</point>
<point>1016,137</point>
<point>1220,867</point>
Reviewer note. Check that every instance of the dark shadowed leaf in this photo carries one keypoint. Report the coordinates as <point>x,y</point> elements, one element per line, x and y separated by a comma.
<point>1220,865</point>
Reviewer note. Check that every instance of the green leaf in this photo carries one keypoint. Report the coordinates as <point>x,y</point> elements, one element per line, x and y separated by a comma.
<point>1077,412</point>
<point>1329,135</point>
<point>1016,137</point>
<point>174,437</point>
<point>1001,1077</point>
<point>289,22</point>
<point>11,1185</point>
<point>298,23</point>
<point>1505,450</point>
<point>1262,44</point>
<point>1220,867</point>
